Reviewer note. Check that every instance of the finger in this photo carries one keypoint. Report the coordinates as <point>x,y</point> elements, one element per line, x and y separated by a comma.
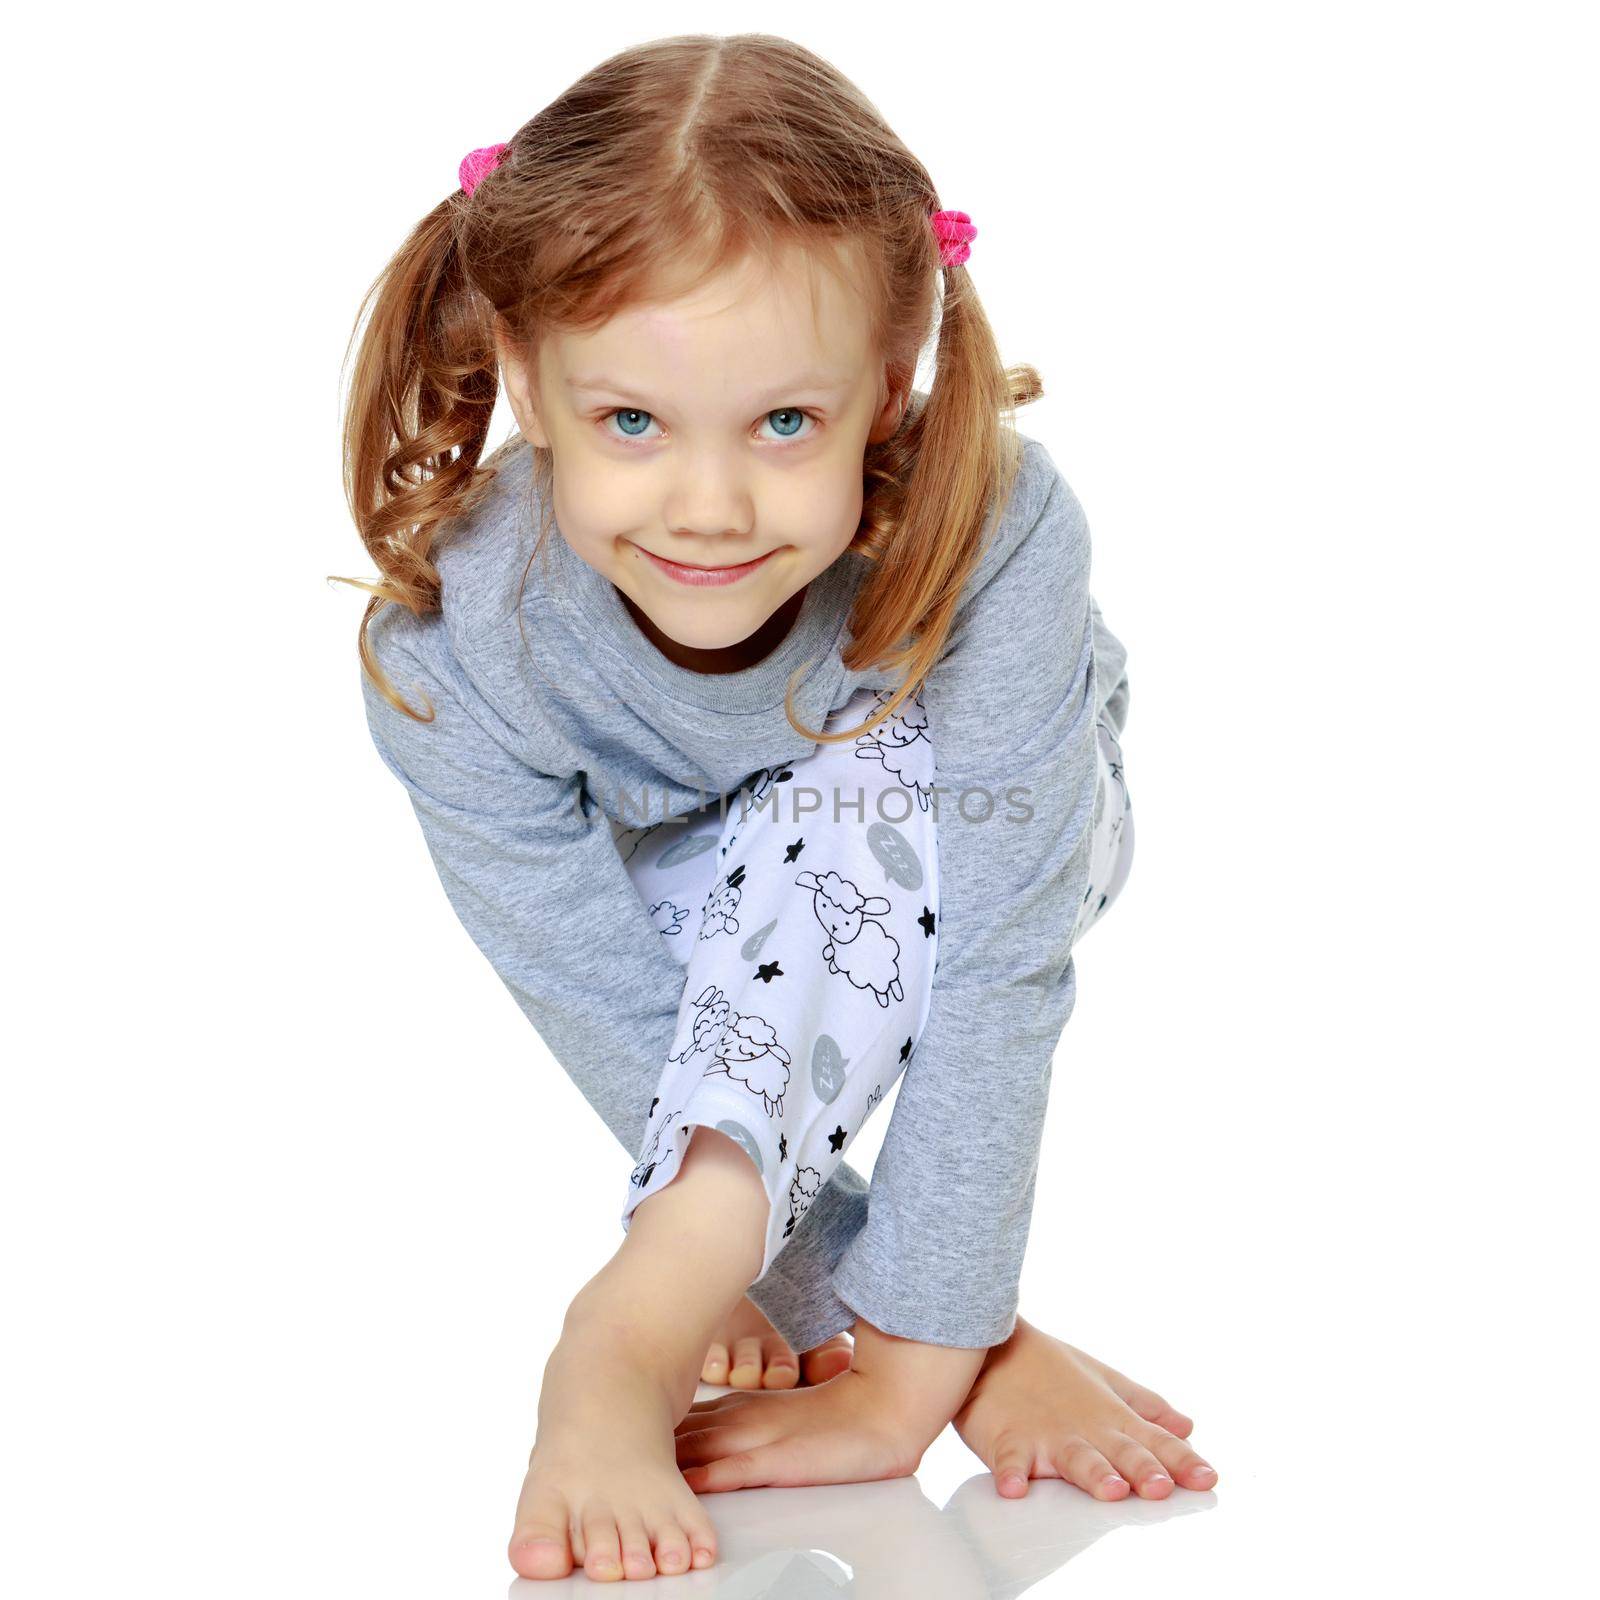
<point>695,1449</point>
<point>768,1465</point>
<point>700,1407</point>
<point>724,1406</point>
<point>1077,1461</point>
<point>1148,1477</point>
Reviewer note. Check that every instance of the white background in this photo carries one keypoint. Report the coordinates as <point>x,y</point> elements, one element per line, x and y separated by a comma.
<point>294,1197</point>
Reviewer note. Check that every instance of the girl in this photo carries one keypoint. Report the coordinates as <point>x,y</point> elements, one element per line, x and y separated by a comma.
<point>788,765</point>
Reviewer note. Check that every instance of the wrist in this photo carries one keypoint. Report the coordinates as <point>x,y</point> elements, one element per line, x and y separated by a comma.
<point>923,1385</point>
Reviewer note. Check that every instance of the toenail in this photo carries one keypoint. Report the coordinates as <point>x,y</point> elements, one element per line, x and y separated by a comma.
<point>1156,1479</point>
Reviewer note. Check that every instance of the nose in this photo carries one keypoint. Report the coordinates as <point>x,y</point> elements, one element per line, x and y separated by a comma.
<point>709,497</point>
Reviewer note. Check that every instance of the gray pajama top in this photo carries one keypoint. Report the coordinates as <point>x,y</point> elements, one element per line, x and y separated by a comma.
<point>535,745</point>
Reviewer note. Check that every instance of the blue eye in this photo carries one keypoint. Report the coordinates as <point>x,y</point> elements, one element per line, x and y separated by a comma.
<point>793,418</point>
<point>633,423</point>
<point>631,432</point>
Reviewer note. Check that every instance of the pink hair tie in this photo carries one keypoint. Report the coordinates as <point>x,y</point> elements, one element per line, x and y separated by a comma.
<point>477,164</point>
<point>955,232</point>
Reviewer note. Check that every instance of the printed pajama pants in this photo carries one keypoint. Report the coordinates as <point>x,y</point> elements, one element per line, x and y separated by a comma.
<point>804,908</point>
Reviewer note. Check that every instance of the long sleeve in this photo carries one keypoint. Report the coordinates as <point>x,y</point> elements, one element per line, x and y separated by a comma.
<point>1010,707</point>
<point>537,882</point>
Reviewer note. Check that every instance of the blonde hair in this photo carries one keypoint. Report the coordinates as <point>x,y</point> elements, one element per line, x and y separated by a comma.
<point>672,159</point>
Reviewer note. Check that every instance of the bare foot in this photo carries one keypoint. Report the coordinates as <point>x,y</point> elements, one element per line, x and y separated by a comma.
<point>762,1360</point>
<point>603,1490</point>
<point>1044,1409</point>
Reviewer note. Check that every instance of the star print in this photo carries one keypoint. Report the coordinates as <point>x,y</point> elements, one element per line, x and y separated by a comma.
<point>905,1051</point>
<point>836,1139</point>
<point>926,921</point>
<point>794,850</point>
<point>768,970</point>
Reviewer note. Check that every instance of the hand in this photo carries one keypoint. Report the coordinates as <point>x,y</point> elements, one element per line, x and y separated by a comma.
<point>873,1421</point>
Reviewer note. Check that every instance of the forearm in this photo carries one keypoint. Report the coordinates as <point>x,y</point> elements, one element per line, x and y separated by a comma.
<point>797,1295</point>
<point>940,1259</point>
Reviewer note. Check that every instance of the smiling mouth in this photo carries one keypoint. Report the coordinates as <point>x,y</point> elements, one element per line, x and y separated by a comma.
<point>686,572</point>
<point>695,567</point>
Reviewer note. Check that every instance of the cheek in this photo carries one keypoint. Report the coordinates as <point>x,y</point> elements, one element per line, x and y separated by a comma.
<point>594,506</point>
<point>818,511</point>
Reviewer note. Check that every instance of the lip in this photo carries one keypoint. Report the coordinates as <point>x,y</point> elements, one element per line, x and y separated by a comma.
<point>703,577</point>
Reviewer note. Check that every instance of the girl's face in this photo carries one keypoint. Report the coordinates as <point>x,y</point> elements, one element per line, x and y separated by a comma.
<point>718,436</point>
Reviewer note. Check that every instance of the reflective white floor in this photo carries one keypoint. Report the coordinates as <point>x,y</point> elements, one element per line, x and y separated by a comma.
<point>941,1535</point>
<point>895,1538</point>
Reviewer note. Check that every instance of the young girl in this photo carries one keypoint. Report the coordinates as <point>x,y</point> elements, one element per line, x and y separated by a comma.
<point>764,734</point>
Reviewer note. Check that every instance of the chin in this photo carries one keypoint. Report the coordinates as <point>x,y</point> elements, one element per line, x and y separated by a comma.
<point>690,628</point>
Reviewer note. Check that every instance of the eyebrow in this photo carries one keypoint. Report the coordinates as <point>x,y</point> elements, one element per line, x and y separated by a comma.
<point>824,382</point>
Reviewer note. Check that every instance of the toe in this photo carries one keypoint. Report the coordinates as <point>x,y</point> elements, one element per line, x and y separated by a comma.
<point>1191,1470</point>
<point>1138,1398</point>
<point>1012,1465</point>
<point>671,1545</point>
<point>701,1535</point>
<point>1148,1404</point>
<point>1180,1459</point>
<point>745,1373</point>
<point>715,1369</point>
<point>540,1546</point>
<point>536,1554</point>
<point>1077,1461</point>
<point>1139,1466</point>
<point>637,1561</point>
<point>783,1368</point>
<point>602,1546</point>
<point>828,1359</point>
